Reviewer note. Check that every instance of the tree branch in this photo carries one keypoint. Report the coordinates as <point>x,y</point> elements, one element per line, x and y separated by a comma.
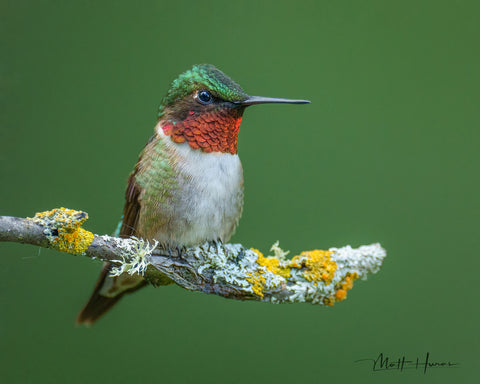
<point>228,270</point>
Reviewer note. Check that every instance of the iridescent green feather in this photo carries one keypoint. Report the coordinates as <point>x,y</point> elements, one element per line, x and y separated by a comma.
<point>204,76</point>
<point>156,177</point>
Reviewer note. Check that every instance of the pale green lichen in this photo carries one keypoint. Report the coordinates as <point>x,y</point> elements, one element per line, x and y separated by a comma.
<point>135,256</point>
<point>278,252</point>
<point>351,263</point>
<point>272,264</point>
<point>319,277</point>
<point>62,226</point>
<point>316,267</point>
<point>236,265</point>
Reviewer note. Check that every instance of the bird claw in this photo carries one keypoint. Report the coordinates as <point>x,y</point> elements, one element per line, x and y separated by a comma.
<point>216,243</point>
<point>210,245</point>
<point>180,250</point>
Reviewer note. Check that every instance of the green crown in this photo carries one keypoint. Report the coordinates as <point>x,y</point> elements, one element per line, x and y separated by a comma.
<point>203,76</point>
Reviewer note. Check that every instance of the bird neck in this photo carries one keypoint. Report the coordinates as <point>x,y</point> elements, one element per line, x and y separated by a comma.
<point>212,131</point>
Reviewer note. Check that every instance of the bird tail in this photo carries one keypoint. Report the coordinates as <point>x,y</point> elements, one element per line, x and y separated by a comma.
<point>108,290</point>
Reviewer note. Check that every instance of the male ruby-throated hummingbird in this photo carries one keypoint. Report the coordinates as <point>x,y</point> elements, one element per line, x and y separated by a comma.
<point>187,186</point>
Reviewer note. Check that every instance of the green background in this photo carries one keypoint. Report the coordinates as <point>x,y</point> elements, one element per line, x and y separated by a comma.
<point>387,152</point>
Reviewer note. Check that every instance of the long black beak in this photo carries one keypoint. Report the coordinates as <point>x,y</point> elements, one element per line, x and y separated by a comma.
<point>252,100</point>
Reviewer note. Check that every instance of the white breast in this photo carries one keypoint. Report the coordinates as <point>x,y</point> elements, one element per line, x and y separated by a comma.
<point>210,194</point>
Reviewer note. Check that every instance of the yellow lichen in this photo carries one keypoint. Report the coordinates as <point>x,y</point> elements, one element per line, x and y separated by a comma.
<point>341,289</point>
<point>272,264</point>
<point>63,228</point>
<point>345,285</point>
<point>258,283</point>
<point>329,301</point>
<point>76,242</point>
<point>318,265</point>
<point>340,294</point>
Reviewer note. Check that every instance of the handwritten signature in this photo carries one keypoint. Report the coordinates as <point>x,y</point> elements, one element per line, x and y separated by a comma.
<point>386,363</point>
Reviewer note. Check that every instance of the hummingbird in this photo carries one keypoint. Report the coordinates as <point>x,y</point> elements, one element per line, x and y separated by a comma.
<point>187,186</point>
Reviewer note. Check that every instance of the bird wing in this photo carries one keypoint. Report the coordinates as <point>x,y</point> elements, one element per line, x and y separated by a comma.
<point>131,210</point>
<point>108,290</point>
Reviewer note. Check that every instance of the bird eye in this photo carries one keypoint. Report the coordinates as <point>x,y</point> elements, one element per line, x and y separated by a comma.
<point>204,97</point>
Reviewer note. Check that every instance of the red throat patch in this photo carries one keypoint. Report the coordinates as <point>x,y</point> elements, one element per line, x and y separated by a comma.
<point>215,131</point>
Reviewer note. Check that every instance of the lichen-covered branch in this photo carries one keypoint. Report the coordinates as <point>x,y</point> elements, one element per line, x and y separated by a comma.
<point>229,270</point>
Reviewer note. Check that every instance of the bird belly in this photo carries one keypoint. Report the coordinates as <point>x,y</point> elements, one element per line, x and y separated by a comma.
<point>203,204</point>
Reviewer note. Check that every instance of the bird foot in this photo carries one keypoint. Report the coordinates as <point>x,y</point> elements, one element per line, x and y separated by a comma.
<point>180,251</point>
<point>216,244</point>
